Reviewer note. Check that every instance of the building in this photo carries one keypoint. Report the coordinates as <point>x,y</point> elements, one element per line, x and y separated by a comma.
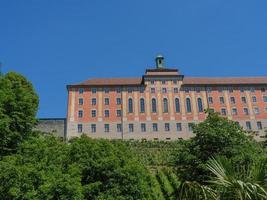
<point>55,126</point>
<point>162,104</point>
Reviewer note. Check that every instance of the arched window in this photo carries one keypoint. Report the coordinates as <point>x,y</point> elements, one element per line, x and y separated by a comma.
<point>188,105</point>
<point>177,105</point>
<point>165,105</point>
<point>130,105</point>
<point>200,105</point>
<point>154,105</point>
<point>142,105</point>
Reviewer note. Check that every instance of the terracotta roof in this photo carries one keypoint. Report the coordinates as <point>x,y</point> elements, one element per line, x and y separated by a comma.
<point>186,81</point>
<point>224,81</point>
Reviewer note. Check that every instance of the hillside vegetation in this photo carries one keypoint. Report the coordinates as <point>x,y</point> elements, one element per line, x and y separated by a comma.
<point>221,162</point>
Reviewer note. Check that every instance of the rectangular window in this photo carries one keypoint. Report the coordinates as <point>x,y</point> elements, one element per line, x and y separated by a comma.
<point>222,100</point>
<point>106,127</point>
<point>223,111</point>
<point>259,125</point>
<point>231,90</point>
<point>80,113</point>
<point>246,112</point>
<point>141,90</point>
<point>152,90</point>
<point>155,127</point>
<point>254,99</point>
<point>190,126</point>
<point>265,99</point>
<point>106,101</point>
<point>257,110</point>
<point>143,127</point>
<point>131,128</point>
<point>167,126</point>
<point>175,90</point>
<point>209,90</point>
<point>164,90</point>
<point>234,111</point>
<point>242,90</point>
<point>118,101</point>
<point>80,128</point>
<point>93,112</point>
<point>210,99</point>
<point>220,89</point>
<point>175,82</point>
<point>248,125</point>
<point>93,128</point>
<point>93,101</point>
<point>118,113</point>
<point>163,82</point>
<point>252,89</point>
<point>263,90</point>
<point>186,90</point>
<point>130,90</point>
<point>118,90</point>
<point>232,100</point>
<point>178,126</point>
<point>80,101</point>
<point>81,90</point>
<point>119,128</point>
<point>198,90</point>
<point>106,90</point>
<point>94,90</point>
<point>152,82</point>
<point>244,100</point>
<point>106,113</point>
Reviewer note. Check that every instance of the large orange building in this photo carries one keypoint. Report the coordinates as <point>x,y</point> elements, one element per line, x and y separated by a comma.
<point>162,104</point>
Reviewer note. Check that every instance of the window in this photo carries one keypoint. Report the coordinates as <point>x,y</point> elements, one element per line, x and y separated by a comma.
<point>231,90</point>
<point>265,99</point>
<point>263,90</point>
<point>81,90</point>
<point>106,127</point>
<point>131,128</point>
<point>130,105</point>
<point>186,90</point>
<point>152,82</point>
<point>178,126</point>
<point>80,113</point>
<point>252,89</point>
<point>93,113</point>
<point>210,100</point>
<point>80,101</point>
<point>223,111</point>
<point>118,101</point>
<point>232,100</point>
<point>93,101</point>
<point>106,113</point>
<point>222,100</point>
<point>118,113</point>
<point>163,82</point>
<point>154,105</point>
<point>243,99</point>
<point>106,101</point>
<point>175,82</point>
<point>190,126</point>
<point>165,105</point>
<point>130,90</point>
<point>118,90</point>
<point>93,128</point>
<point>94,90</point>
<point>200,105</point>
<point>152,90</point>
<point>254,99</point>
<point>259,125</point>
<point>257,110</point>
<point>266,109</point>
<point>177,105</point>
<point>246,112</point>
<point>119,128</point>
<point>248,125</point>
<point>142,90</point>
<point>142,105</point>
<point>220,89</point>
<point>155,127</point>
<point>198,90</point>
<point>164,90</point>
<point>143,127</point>
<point>167,126</point>
<point>242,90</point>
<point>188,105</point>
<point>234,111</point>
<point>175,90</point>
<point>209,90</point>
<point>80,128</point>
<point>106,90</point>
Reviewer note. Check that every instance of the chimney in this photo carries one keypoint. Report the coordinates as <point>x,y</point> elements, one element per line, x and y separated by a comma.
<point>159,61</point>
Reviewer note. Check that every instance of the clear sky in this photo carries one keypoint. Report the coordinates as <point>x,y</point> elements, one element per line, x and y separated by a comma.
<point>59,42</point>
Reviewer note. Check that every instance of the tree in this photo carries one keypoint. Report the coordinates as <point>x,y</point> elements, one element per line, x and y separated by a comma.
<point>18,107</point>
<point>213,137</point>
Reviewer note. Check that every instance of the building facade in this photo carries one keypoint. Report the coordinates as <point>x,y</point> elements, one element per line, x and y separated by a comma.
<point>162,105</point>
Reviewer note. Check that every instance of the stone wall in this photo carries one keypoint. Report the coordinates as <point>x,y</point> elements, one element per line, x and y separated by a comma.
<point>56,126</point>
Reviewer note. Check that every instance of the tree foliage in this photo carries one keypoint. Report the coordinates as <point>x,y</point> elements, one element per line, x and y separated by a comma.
<point>18,107</point>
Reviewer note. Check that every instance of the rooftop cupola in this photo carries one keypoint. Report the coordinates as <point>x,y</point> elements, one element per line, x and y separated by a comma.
<point>160,61</point>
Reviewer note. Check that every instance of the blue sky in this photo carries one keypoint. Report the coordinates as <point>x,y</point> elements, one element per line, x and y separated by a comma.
<point>55,43</point>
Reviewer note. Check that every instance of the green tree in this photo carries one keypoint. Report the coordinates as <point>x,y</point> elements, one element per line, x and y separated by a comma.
<point>18,107</point>
<point>213,137</point>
